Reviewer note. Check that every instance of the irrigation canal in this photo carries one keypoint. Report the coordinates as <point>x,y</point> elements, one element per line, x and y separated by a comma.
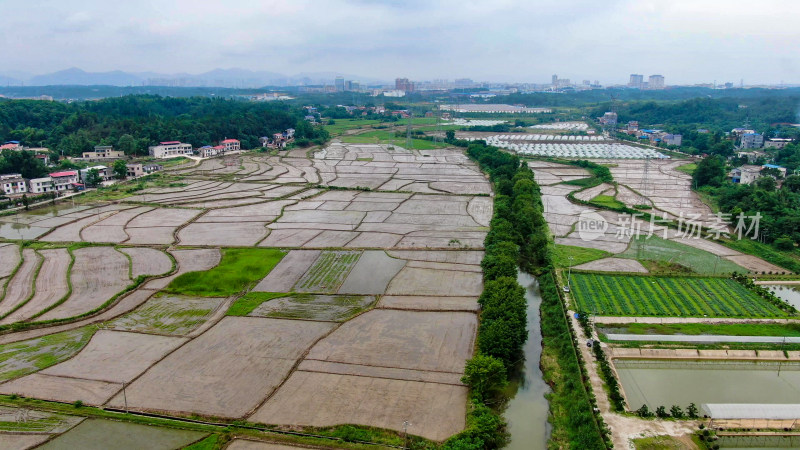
<point>527,409</point>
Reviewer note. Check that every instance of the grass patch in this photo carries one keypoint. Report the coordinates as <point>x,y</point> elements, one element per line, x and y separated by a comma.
<point>628,295</point>
<point>342,125</point>
<point>388,137</point>
<point>336,308</point>
<point>607,201</point>
<point>328,272</point>
<point>580,255</point>
<point>671,253</point>
<point>211,442</point>
<point>584,182</point>
<point>166,314</point>
<point>24,357</point>
<point>131,187</point>
<point>688,169</point>
<point>695,329</point>
<point>658,443</point>
<point>315,437</point>
<point>250,301</point>
<point>237,271</point>
<point>788,260</point>
<point>664,267</point>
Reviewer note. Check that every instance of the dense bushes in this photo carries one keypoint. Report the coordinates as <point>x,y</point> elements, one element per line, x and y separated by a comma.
<point>134,122</point>
<point>519,236</point>
<point>571,409</point>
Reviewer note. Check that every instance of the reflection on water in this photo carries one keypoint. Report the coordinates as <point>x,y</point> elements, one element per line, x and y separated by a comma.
<point>788,292</point>
<point>667,383</point>
<point>527,410</point>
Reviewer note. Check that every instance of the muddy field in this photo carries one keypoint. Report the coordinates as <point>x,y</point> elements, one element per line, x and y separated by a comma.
<point>425,341</point>
<point>288,271</point>
<point>168,314</point>
<point>436,282</point>
<point>97,434</point>
<point>323,399</point>
<point>252,355</point>
<point>26,356</point>
<point>328,272</point>
<point>372,273</point>
<point>20,287</point>
<point>115,356</point>
<point>51,286</point>
<point>147,261</point>
<point>414,242</point>
<point>334,308</point>
<point>97,275</point>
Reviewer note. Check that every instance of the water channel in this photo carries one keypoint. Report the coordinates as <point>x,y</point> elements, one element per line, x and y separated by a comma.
<point>788,292</point>
<point>527,409</point>
<point>667,383</point>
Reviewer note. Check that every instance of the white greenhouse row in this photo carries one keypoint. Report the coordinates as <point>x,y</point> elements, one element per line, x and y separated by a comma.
<point>545,137</point>
<point>476,122</point>
<point>577,126</point>
<point>582,151</point>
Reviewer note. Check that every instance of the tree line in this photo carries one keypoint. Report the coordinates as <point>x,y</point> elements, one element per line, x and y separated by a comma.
<point>133,123</point>
<point>779,207</point>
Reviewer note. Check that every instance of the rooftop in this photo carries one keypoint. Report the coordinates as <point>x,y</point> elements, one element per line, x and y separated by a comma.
<point>66,173</point>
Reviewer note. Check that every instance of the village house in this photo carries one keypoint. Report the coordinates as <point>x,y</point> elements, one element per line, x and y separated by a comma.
<point>40,185</point>
<point>13,184</point>
<point>66,180</point>
<point>777,143</point>
<point>11,145</point>
<point>209,151</point>
<point>103,152</point>
<point>138,170</point>
<point>103,171</point>
<point>170,149</point>
<point>749,173</point>
<point>230,145</point>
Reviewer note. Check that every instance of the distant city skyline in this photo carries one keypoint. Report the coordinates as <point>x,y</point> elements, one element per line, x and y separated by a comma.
<point>686,41</point>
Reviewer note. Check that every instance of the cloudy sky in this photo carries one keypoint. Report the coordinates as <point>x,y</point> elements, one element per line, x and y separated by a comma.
<point>688,41</point>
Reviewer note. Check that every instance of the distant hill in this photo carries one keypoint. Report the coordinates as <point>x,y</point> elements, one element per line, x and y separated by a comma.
<point>8,81</point>
<point>78,77</point>
<point>228,78</point>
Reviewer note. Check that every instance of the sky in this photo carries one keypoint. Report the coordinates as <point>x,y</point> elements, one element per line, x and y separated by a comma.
<point>687,41</point>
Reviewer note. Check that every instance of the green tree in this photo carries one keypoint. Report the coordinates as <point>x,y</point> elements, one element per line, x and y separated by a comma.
<point>484,375</point>
<point>691,411</point>
<point>792,184</point>
<point>767,183</point>
<point>784,243</point>
<point>644,411</point>
<point>661,412</point>
<point>710,172</point>
<point>450,135</point>
<point>22,162</point>
<point>92,178</point>
<point>120,169</point>
<point>676,412</point>
<point>127,144</point>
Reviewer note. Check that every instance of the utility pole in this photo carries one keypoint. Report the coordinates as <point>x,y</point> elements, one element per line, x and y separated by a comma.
<point>406,424</point>
<point>409,143</point>
<point>569,273</point>
<point>125,397</point>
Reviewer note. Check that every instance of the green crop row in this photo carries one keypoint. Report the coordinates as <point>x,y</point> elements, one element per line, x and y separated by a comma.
<point>629,295</point>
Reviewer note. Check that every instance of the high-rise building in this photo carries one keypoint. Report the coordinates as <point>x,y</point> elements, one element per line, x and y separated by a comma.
<point>636,81</point>
<point>656,82</point>
<point>555,80</point>
<point>402,84</point>
<point>339,83</point>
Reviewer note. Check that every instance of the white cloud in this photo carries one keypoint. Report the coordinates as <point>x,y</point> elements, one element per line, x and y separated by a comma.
<point>685,40</point>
